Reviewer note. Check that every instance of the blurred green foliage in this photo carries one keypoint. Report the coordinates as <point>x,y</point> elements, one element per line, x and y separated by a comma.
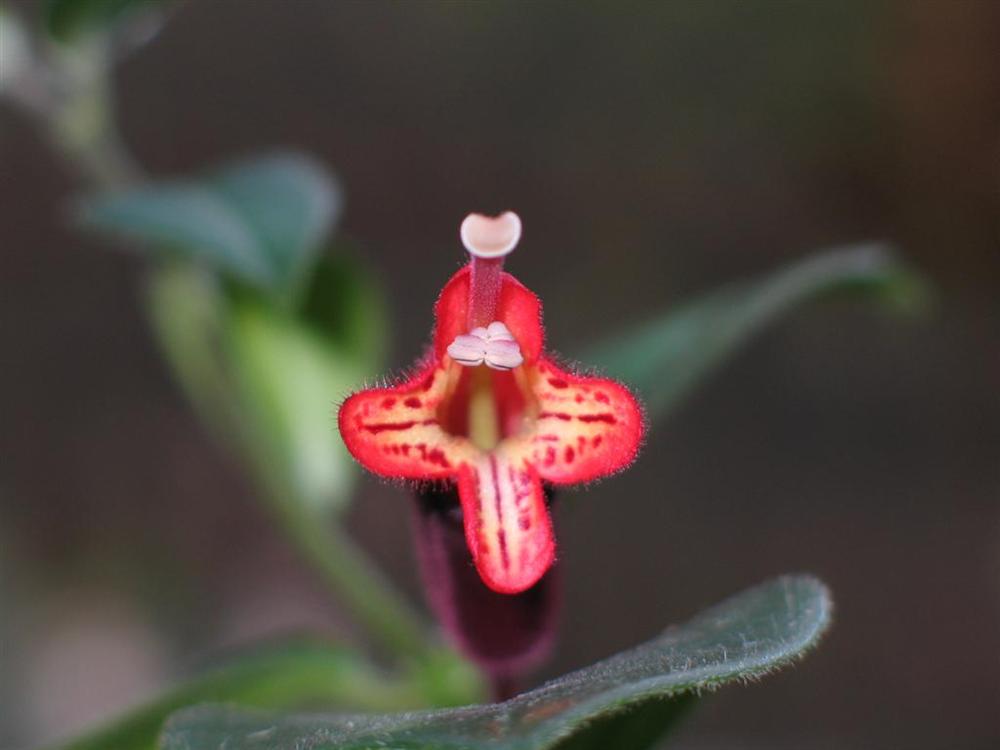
<point>68,19</point>
<point>261,221</point>
<point>262,329</point>
<point>295,675</point>
<point>668,356</point>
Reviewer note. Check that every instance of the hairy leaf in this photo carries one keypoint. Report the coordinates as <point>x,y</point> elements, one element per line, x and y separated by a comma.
<point>743,638</point>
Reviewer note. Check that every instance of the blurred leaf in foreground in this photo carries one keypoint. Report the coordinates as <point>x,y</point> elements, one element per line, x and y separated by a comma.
<point>15,50</point>
<point>346,304</point>
<point>268,380</point>
<point>302,675</point>
<point>188,314</point>
<point>743,638</point>
<point>260,221</point>
<point>289,379</point>
<point>67,19</point>
<point>669,355</point>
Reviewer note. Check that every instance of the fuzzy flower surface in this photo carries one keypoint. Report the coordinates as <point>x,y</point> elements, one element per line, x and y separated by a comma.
<point>488,410</point>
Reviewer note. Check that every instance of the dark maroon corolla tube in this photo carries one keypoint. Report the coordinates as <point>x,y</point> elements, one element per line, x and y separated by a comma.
<point>506,635</point>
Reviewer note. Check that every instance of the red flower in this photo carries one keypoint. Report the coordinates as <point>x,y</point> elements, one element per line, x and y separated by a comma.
<point>488,410</point>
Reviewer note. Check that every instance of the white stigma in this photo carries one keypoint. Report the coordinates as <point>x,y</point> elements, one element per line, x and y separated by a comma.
<point>491,236</point>
<point>493,346</point>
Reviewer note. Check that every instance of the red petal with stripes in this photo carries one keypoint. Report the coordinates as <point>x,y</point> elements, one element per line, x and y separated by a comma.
<point>507,525</point>
<point>395,432</point>
<point>586,428</point>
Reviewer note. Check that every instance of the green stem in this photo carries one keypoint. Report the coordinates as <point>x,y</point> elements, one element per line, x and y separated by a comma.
<point>357,581</point>
<point>78,113</point>
<point>185,314</point>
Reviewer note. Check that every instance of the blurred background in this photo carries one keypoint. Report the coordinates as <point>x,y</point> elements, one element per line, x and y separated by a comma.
<point>654,151</point>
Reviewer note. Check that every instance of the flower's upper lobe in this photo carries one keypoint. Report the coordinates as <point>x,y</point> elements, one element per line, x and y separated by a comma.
<point>497,433</point>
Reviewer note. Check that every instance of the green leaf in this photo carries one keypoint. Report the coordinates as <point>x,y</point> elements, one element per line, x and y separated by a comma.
<point>640,727</point>
<point>289,203</point>
<point>261,221</point>
<point>669,355</point>
<point>743,638</point>
<point>266,380</point>
<point>290,379</point>
<point>303,675</point>
<point>346,304</point>
<point>66,19</point>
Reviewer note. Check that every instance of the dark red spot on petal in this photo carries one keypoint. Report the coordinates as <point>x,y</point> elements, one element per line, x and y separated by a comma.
<point>427,381</point>
<point>504,555</point>
<point>436,456</point>
<point>602,397</point>
<point>413,402</point>
<point>608,418</point>
<point>570,454</point>
<point>386,426</point>
<point>598,440</point>
<point>388,403</point>
<point>555,415</point>
<point>558,383</point>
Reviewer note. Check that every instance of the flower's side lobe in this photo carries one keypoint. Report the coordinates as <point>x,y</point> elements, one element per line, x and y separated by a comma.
<point>496,432</point>
<point>588,427</point>
<point>395,432</point>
